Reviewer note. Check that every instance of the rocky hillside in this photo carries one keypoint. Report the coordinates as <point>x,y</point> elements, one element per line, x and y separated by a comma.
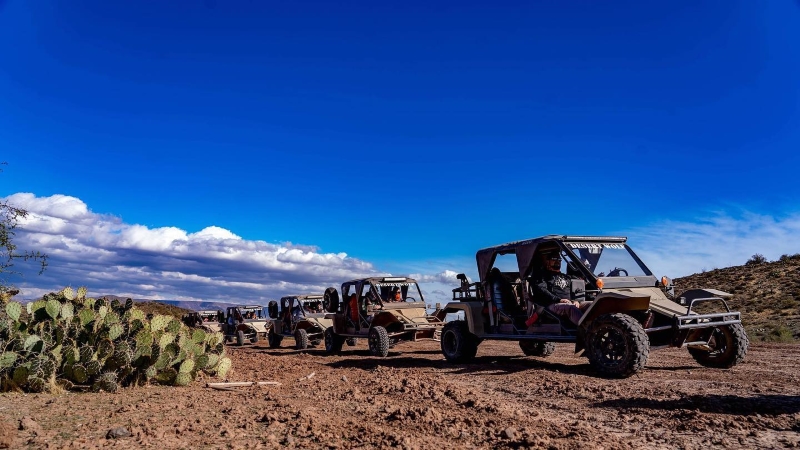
<point>153,307</point>
<point>766,293</point>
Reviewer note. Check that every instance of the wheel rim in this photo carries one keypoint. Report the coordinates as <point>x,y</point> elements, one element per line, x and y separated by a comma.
<point>609,345</point>
<point>718,344</point>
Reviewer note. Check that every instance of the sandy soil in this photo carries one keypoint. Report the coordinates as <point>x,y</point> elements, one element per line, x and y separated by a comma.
<point>414,399</point>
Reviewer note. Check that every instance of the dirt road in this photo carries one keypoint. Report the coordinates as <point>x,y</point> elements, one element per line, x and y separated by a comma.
<point>414,399</point>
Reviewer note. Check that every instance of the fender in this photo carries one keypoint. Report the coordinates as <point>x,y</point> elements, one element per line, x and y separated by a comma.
<point>617,301</point>
<point>472,314</point>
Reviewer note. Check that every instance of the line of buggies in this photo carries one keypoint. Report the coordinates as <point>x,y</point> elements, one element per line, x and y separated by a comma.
<point>626,310</point>
<point>383,310</point>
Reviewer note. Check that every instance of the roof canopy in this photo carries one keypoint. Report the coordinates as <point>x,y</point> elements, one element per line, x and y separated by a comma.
<point>526,249</point>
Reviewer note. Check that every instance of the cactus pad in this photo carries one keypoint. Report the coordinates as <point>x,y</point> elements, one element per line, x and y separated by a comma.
<point>183,379</point>
<point>81,294</point>
<point>223,367</point>
<point>86,316</point>
<point>79,374</point>
<point>167,376</point>
<point>33,343</point>
<point>67,311</point>
<point>7,359</point>
<point>68,293</point>
<point>186,366</point>
<point>87,353</point>
<point>159,322</point>
<point>115,331</point>
<point>174,326</point>
<point>53,307</point>
<point>93,367</point>
<point>13,309</point>
<point>166,339</point>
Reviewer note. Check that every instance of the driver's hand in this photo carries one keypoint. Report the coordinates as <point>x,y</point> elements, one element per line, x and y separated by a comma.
<point>565,300</point>
<point>577,304</point>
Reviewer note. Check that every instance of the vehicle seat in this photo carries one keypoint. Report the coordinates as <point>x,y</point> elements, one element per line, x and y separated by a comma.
<point>502,293</point>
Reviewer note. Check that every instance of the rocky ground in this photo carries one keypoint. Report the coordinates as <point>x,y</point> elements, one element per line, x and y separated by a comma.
<point>414,399</point>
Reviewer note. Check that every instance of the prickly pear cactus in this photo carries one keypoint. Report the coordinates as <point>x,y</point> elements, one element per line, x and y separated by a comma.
<point>69,341</point>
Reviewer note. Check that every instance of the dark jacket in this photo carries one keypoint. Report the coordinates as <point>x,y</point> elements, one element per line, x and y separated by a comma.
<point>550,287</point>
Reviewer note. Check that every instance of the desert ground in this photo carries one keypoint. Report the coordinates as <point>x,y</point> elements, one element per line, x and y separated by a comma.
<point>414,399</point>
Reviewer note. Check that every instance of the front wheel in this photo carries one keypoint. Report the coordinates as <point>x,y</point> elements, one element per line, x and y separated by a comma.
<point>617,345</point>
<point>378,341</point>
<point>333,342</point>
<point>300,339</point>
<point>458,344</point>
<point>254,339</point>
<point>273,338</point>
<point>727,346</point>
<point>537,348</point>
<point>240,338</point>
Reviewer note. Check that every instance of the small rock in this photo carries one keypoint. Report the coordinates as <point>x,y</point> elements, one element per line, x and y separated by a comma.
<point>119,432</point>
<point>509,433</point>
<point>28,424</point>
<point>344,378</point>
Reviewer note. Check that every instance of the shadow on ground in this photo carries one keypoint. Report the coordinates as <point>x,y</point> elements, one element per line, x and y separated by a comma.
<point>720,404</point>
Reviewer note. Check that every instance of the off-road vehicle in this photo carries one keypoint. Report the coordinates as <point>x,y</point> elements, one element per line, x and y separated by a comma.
<point>298,316</point>
<point>245,323</point>
<point>385,310</point>
<point>208,320</point>
<point>631,311</point>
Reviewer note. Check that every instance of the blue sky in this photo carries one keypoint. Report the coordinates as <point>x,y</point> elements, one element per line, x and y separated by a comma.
<point>391,137</point>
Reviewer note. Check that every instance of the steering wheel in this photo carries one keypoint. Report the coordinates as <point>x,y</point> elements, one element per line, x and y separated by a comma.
<point>410,299</point>
<point>618,272</point>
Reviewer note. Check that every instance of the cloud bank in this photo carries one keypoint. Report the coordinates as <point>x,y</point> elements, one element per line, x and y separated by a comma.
<point>111,257</point>
<point>682,248</point>
<point>213,264</point>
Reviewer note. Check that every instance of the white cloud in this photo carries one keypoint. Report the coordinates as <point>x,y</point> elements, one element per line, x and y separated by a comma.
<point>682,248</point>
<point>213,264</point>
<point>444,277</point>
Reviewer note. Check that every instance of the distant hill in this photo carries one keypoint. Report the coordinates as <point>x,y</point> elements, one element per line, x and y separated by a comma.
<point>182,304</point>
<point>162,308</point>
<point>767,294</point>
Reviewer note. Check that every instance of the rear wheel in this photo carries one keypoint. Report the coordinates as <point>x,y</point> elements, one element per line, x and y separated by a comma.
<point>378,341</point>
<point>254,339</point>
<point>333,342</point>
<point>458,344</point>
<point>240,338</point>
<point>351,342</point>
<point>274,339</point>
<point>537,348</point>
<point>728,345</point>
<point>300,339</point>
<point>617,345</point>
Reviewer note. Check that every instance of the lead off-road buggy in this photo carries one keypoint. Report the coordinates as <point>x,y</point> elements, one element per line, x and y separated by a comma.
<point>209,320</point>
<point>245,323</point>
<point>630,312</point>
<point>298,316</point>
<point>385,310</point>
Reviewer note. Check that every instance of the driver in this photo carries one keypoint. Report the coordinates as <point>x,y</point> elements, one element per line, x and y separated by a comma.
<point>397,295</point>
<point>552,289</point>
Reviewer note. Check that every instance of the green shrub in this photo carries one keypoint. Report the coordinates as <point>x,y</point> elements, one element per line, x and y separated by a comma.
<point>758,258</point>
